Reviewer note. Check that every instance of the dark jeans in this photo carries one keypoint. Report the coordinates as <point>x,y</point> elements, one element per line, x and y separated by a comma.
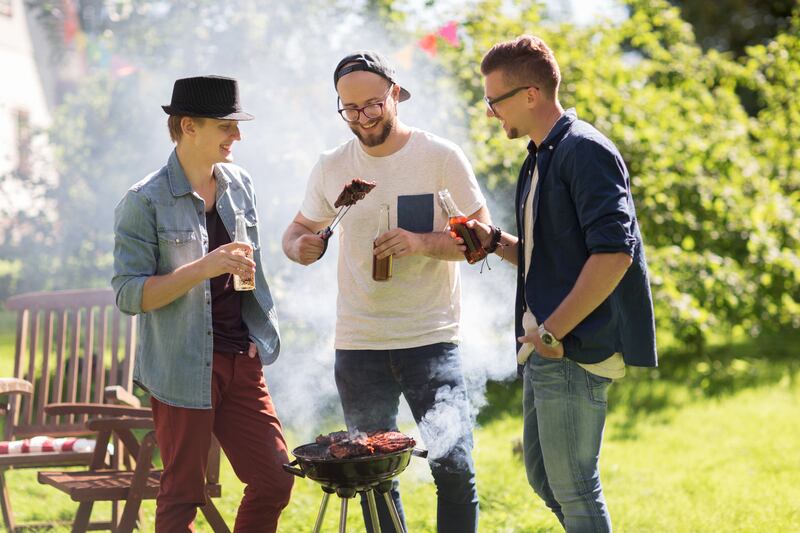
<point>431,379</point>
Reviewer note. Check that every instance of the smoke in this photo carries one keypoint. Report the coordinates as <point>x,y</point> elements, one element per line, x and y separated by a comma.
<point>283,58</point>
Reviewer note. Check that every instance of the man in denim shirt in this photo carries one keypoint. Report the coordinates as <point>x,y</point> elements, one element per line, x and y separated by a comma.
<point>199,339</point>
<point>584,309</point>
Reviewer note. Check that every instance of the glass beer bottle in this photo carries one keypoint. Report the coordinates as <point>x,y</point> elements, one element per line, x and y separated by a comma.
<point>475,251</point>
<point>382,268</point>
<point>246,282</point>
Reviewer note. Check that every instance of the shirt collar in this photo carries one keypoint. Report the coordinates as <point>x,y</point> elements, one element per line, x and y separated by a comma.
<point>179,183</point>
<point>565,120</point>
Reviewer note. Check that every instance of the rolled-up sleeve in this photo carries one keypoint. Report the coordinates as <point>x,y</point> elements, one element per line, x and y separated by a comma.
<point>135,250</point>
<point>600,191</point>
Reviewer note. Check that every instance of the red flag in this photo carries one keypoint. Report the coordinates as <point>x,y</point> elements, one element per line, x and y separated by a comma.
<point>428,44</point>
<point>70,22</point>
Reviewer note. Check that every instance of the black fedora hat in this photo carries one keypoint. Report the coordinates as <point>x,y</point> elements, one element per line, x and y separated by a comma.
<point>206,96</point>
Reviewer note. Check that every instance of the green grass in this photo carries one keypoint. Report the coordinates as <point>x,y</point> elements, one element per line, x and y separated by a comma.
<point>711,445</point>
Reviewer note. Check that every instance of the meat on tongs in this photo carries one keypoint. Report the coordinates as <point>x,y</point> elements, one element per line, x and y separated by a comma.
<point>354,191</point>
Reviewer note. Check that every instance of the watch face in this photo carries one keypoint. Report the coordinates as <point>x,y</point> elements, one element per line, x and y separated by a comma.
<point>548,339</point>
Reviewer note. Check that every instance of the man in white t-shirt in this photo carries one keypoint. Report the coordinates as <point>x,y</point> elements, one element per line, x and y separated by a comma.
<point>398,336</point>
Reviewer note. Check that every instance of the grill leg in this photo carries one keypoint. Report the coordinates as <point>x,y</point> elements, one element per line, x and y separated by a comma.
<point>343,517</point>
<point>322,507</point>
<point>398,527</point>
<point>373,511</point>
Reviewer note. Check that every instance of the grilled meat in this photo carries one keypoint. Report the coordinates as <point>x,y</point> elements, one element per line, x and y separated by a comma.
<point>390,441</point>
<point>345,449</point>
<point>356,190</point>
<point>342,446</point>
<point>330,438</point>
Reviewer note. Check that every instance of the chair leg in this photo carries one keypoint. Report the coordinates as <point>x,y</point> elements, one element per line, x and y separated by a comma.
<point>114,516</point>
<point>81,523</point>
<point>130,514</point>
<point>5,503</point>
<point>213,518</point>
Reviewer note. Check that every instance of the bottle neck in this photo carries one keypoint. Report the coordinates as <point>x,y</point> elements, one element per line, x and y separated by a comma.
<point>241,229</point>
<point>449,205</point>
<point>383,219</point>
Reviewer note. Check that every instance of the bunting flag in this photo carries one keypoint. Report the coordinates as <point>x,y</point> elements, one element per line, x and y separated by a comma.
<point>448,33</point>
<point>121,67</point>
<point>405,57</point>
<point>70,25</point>
<point>428,44</point>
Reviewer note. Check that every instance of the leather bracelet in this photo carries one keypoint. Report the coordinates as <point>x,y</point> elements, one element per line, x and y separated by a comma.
<point>497,233</point>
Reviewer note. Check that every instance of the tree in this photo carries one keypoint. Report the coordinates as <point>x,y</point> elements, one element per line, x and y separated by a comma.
<point>735,25</point>
<point>716,190</point>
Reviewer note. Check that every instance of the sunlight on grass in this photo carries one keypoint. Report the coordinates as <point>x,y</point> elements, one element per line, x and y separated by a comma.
<point>678,457</point>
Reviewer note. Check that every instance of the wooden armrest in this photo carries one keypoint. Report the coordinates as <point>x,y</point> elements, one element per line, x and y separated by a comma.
<point>114,394</point>
<point>97,409</point>
<point>15,385</point>
<point>99,424</point>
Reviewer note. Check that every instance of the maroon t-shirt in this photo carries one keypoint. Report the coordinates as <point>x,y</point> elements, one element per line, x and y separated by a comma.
<point>230,332</point>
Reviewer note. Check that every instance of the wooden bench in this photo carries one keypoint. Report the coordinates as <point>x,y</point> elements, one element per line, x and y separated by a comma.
<point>76,350</point>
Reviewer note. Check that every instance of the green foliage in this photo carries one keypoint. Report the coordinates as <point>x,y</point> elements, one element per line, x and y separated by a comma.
<point>735,24</point>
<point>716,190</point>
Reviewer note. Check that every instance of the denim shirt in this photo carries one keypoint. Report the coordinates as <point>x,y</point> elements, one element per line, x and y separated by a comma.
<point>582,205</point>
<point>160,225</point>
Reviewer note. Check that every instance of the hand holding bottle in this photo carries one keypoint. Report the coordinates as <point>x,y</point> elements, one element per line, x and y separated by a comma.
<point>397,242</point>
<point>232,258</point>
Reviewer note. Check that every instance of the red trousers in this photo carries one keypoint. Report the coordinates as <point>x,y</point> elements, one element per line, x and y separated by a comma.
<point>243,419</point>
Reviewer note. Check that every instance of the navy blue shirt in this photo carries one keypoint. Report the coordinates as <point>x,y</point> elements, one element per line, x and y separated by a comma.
<point>582,205</point>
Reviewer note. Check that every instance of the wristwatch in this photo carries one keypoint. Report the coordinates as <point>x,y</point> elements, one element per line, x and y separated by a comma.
<point>548,338</point>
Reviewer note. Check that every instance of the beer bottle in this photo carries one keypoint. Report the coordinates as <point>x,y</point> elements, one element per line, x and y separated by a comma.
<point>245,282</point>
<point>382,268</point>
<point>475,251</point>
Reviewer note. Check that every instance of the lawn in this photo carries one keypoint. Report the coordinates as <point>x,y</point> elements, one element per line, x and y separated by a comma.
<point>710,446</point>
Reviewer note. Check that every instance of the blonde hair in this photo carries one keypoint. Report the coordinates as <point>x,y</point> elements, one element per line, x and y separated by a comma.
<point>175,129</point>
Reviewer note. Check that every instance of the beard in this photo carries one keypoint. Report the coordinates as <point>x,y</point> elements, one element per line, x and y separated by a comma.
<point>375,138</point>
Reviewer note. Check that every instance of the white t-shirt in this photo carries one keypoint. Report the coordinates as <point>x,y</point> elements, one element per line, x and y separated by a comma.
<point>421,303</point>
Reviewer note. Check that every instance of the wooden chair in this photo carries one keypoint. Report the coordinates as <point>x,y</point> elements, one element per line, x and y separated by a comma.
<point>141,482</point>
<point>76,350</point>
<point>71,346</point>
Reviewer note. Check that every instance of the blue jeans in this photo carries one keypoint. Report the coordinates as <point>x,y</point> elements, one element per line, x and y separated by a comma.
<point>564,409</point>
<point>431,379</point>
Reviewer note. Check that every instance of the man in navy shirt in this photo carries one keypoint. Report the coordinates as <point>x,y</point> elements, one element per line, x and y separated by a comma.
<point>584,311</point>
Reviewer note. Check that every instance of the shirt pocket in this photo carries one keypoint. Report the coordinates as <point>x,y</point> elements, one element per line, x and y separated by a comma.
<point>176,248</point>
<point>251,221</point>
<point>415,213</point>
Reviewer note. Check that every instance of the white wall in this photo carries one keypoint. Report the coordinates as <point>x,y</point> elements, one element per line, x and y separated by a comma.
<point>20,84</point>
<point>21,89</point>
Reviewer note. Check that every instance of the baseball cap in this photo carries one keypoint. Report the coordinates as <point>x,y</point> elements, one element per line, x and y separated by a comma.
<point>369,61</point>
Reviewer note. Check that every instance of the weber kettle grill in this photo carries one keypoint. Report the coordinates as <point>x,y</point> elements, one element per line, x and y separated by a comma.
<point>350,476</point>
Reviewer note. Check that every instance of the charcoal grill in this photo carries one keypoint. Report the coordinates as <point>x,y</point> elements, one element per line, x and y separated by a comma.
<point>350,476</point>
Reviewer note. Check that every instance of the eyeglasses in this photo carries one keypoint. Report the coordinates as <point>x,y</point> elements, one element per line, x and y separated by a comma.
<point>491,102</point>
<point>374,110</point>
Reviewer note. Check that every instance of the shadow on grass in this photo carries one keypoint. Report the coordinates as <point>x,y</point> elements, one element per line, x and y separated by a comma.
<point>682,377</point>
